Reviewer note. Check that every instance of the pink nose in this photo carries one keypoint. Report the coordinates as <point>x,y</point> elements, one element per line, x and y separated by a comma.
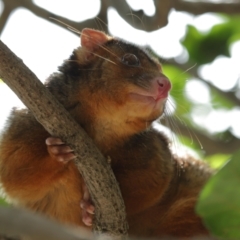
<point>164,84</point>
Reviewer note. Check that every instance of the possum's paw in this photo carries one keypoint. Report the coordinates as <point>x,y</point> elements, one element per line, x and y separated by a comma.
<point>87,207</point>
<point>58,150</point>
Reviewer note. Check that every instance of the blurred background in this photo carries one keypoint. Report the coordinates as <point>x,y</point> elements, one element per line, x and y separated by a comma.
<point>198,43</point>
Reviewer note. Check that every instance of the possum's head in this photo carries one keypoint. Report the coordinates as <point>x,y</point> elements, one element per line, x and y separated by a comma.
<point>119,88</point>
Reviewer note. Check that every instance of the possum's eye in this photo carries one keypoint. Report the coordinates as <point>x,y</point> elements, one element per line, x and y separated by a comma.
<point>130,60</point>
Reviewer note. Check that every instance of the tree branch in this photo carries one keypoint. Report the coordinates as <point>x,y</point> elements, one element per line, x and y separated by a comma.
<point>45,14</point>
<point>21,222</point>
<point>7,10</point>
<point>139,20</point>
<point>200,7</point>
<point>101,182</point>
<point>136,19</point>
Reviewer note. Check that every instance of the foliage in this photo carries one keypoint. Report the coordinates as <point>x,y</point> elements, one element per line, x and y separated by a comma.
<point>205,47</point>
<point>3,202</point>
<point>219,101</point>
<point>219,203</point>
<point>217,161</point>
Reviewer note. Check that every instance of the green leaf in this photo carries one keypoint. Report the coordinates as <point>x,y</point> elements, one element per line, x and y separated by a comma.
<point>217,161</point>
<point>233,23</point>
<point>219,203</point>
<point>3,202</point>
<point>205,47</point>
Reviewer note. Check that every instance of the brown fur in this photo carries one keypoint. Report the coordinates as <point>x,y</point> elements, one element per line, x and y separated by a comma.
<point>159,189</point>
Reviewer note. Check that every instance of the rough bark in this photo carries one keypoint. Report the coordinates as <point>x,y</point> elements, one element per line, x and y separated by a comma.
<point>110,217</point>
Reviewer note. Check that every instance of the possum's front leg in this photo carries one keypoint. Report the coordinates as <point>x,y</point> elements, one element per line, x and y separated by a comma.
<point>61,152</point>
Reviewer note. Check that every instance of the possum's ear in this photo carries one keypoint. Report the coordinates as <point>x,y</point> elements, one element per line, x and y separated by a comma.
<point>91,39</point>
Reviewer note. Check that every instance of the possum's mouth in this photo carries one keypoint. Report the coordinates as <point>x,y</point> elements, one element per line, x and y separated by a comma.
<point>158,92</point>
<point>147,98</point>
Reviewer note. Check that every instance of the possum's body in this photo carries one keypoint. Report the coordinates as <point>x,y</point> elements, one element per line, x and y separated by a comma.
<point>115,91</point>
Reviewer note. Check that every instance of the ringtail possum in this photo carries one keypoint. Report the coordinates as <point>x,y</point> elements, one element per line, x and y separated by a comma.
<point>115,91</point>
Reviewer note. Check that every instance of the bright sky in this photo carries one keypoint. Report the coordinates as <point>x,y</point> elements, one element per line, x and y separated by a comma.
<point>43,46</point>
